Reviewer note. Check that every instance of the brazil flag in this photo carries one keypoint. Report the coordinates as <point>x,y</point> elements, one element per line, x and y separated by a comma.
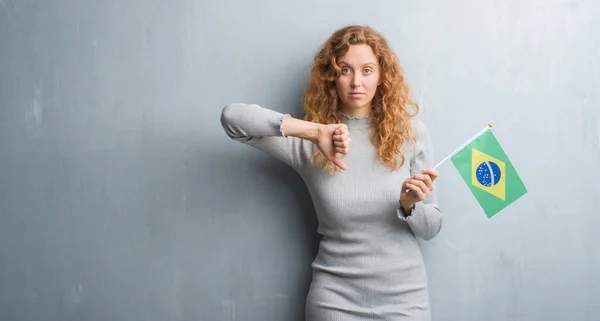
<point>489,173</point>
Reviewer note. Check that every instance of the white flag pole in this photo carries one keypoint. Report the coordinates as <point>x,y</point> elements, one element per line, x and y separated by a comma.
<point>463,145</point>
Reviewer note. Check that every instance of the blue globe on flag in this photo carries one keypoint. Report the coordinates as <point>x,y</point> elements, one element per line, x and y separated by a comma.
<point>488,174</point>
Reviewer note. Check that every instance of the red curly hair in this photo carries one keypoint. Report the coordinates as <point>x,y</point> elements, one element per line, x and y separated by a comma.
<point>389,115</point>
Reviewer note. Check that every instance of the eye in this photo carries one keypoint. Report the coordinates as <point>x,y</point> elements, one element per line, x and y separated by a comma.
<point>368,71</point>
<point>345,70</point>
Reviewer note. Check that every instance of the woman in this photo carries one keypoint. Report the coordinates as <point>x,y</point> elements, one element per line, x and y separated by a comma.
<point>372,200</point>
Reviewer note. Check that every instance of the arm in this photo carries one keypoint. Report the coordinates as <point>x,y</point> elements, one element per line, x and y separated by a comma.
<point>425,218</point>
<point>288,139</point>
<point>264,129</point>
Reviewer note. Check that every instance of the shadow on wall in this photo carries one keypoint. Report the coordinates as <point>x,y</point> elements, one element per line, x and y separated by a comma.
<point>301,215</point>
<point>269,253</point>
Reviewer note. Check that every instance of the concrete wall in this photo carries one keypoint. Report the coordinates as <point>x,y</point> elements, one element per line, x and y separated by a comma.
<point>121,198</point>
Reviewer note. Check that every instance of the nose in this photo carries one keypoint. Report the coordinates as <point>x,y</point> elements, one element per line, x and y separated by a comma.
<point>355,81</point>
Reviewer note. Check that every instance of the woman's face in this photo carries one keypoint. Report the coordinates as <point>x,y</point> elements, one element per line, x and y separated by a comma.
<point>358,82</point>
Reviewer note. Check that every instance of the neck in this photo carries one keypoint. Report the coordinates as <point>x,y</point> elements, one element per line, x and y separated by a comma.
<point>357,112</point>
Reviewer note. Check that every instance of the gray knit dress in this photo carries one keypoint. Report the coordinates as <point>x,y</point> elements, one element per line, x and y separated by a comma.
<point>369,265</point>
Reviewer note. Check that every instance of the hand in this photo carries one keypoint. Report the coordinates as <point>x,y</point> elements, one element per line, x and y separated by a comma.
<point>416,188</point>
<point>334,142</point>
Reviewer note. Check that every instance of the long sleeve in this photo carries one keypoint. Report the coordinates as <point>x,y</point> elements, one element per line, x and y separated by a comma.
<point>425,220</point>
<point>261,128</point>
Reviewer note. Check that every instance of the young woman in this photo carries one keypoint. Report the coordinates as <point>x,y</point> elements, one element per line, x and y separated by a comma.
<point>366,162</point>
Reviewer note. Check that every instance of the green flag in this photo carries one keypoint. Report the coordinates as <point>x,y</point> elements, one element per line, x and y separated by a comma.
<point>489,173</point>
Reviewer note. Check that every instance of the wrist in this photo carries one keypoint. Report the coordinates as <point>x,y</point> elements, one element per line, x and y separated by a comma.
<point>407,208</point>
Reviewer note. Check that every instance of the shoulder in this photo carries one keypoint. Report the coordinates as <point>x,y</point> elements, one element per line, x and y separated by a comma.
<point>419,131</point>
<point>420,141</point>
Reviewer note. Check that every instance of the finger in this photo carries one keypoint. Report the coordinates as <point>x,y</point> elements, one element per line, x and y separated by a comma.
<point>342,128</point>
<point>431,172</point>
<point>341,137</point>
<point>425,179</point>
<point>341,144</point>
<point>339,163</point>
<point>408,183</point>
<point>422,177</point>
<point>338,144</point>
<point>422,190</point>
<point>421,185</point>
<point>342,150</point>
<point>415,189</point>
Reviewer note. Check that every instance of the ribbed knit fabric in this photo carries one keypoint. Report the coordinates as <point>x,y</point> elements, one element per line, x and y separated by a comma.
<point>369,265</point>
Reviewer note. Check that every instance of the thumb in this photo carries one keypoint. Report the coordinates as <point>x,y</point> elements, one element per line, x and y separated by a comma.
<point>338,162</point>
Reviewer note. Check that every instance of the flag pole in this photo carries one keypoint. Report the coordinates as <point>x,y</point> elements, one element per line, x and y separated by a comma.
<point>463,145</point>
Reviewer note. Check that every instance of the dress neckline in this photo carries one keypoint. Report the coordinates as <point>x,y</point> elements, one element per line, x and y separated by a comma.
<point>356,122</point>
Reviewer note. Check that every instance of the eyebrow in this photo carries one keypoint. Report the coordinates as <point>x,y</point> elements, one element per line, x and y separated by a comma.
<point>343,62</point>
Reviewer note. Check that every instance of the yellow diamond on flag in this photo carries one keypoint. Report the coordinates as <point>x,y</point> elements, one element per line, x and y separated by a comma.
<point>488,174</point>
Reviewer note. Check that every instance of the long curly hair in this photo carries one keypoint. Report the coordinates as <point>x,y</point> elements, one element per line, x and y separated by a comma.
<point>390,117</point>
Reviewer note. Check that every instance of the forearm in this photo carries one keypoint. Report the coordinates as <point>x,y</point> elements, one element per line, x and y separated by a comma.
<point>300,128</point>
<point>265,129</point>
<point>249,120</point>
<point>424,217</point>
<point>245,121</point>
